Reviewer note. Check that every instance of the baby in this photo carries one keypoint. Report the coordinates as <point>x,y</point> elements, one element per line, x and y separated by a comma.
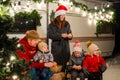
<point>43,55</point>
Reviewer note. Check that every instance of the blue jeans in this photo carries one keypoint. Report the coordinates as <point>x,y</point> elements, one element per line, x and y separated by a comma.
<point>34,74</point>
<point>42,74</point>
<point>45,74</point>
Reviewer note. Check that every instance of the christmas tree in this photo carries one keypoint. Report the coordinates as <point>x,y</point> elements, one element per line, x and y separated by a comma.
<point>11,67</point>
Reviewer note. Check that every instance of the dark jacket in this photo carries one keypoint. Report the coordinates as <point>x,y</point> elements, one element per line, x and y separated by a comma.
<point>59,46</point>
<point>76,60</point>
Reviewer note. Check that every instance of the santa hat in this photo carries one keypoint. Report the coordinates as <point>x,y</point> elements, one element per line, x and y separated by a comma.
<point>77,46</point>
<point>61,10</point>
<point>91,46</point>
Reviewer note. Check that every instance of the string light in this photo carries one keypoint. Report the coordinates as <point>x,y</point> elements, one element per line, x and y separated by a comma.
<point>84,13</point>
<point>95,7</point>
<point>17,6</point>
<point>7,64</point>
<point>18,45</point>
<point>103,10</point>
<point>66,3</point>
<point>89,21</point>
<point>108,6</point>
<point>14,77</point>
<point>77,10</point>
<point>12,58</point>
<point>11,11</point>
<point>4,0</point>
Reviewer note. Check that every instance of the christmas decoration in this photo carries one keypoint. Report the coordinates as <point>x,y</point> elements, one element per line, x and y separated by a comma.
<point>26,21</point>
<point>11,68</point>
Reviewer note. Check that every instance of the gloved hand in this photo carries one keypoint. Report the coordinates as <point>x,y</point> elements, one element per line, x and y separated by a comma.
<point>102,68</point>
<point>86,72</point>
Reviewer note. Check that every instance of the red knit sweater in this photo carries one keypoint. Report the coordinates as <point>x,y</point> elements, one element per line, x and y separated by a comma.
<point>28,53</point>
<point>93,63</point>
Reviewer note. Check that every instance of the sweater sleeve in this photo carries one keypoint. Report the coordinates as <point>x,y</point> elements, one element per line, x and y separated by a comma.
<point>22,55</point>
<point>37,65</point>
<point>69,31</point>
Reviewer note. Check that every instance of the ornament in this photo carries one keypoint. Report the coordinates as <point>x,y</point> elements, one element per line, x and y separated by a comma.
<point>18,45</point>
<point>24,73</point>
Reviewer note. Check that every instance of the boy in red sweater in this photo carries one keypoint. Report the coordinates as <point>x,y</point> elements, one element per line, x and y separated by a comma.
<point>94,64</point>
<point>29,43</point>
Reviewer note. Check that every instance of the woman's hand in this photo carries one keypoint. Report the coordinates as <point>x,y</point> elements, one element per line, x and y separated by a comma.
<point>64,35</point>
<point>69,35</point>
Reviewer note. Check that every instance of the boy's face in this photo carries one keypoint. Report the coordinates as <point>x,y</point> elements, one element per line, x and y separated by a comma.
<point>33,42</point>
<point>77,54</point>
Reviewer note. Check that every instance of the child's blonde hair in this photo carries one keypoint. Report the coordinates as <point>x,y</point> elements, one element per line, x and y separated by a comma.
<point>32,34</point>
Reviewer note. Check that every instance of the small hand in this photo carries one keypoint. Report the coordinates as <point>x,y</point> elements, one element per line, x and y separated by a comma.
<point>79,67</point>
<point>48,64</point>
<point>74,66</point>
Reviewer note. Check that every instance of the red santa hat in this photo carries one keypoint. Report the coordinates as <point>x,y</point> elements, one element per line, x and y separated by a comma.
<point>61,10</point>
<point>77,46</point>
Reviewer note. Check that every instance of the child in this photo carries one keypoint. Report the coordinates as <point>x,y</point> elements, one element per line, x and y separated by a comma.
<point>75,63</point>
<point>43,55</point>
<point>94,64</point>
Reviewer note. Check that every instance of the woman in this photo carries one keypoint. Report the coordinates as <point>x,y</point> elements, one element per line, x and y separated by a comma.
<point>60,33</point>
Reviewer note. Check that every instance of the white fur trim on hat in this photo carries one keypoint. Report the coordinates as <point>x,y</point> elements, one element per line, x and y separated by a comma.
<point>60,12</point>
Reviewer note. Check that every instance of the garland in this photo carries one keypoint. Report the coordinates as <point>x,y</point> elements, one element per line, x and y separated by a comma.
<point>80,5</point>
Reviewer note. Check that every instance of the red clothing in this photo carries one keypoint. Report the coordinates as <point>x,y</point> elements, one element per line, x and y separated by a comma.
<point>93,63</point>
<point>28,53</point>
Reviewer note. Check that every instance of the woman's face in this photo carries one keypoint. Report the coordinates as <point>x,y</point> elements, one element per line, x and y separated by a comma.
<point>62,17</point>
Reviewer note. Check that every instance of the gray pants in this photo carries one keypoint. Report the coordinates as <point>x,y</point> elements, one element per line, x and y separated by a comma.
<point>75,74</point>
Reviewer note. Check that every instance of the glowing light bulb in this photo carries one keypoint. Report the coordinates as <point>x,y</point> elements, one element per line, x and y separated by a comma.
<point>14,77</point>
<point>12,58</point>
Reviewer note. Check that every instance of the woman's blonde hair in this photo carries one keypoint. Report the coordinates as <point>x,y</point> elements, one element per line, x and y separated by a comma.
<point>32,34</point>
